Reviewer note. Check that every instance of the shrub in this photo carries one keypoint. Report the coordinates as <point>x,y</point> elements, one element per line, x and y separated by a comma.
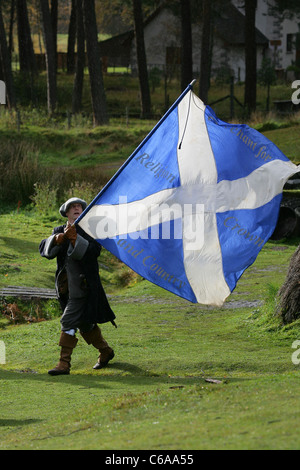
<point>19,171</point>
<point>84,190</point>
<point>18,311</point>
<point>44,198</point>
<point>59,184</point>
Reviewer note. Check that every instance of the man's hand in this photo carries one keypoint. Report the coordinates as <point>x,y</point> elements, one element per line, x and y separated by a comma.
<point>60,238</point>
<point>70,233</point>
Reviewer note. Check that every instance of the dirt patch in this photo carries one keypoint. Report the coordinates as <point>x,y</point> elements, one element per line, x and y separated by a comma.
<point>181,303</point>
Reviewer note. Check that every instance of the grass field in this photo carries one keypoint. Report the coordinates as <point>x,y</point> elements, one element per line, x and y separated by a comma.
<point>184,376</point>
<point>154,394</point>
<point>109,146</point>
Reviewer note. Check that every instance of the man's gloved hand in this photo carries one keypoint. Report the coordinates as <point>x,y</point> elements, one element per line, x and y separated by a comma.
<point>70,233</point>
<point>60,238</point>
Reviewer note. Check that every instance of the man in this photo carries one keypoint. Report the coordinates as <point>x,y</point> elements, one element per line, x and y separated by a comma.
<point>79,289</point>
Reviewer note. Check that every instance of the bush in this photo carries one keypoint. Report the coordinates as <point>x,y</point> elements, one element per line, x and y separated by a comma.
<point>18,311</point>
<point>84,190</point>
<point>64,183</point>
<point>19,171</point>
<point>44,198</point>
<point>23,181</point>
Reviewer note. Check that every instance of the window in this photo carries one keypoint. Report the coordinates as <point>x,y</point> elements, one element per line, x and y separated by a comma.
<point>289,42</point>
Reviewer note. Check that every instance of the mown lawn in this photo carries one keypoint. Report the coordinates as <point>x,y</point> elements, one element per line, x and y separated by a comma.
<point>154,394</point>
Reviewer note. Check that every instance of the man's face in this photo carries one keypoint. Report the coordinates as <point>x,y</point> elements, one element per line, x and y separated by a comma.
<point>74,212</point>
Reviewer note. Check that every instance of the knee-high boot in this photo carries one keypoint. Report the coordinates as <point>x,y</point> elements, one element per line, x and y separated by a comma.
<point>95,338</point>
<point>67,343</point>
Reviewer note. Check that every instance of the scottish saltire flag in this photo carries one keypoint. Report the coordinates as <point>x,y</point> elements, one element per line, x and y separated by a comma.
<point>194,204</point>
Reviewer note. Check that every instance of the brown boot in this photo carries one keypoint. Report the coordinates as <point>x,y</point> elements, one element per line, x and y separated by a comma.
<point>95,338</point>
<point>67,343</point>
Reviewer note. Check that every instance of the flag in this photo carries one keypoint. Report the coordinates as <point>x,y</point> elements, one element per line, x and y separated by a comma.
<point>194,204</point>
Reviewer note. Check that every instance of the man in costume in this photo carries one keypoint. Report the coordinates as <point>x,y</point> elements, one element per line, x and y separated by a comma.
<point>78,286</point>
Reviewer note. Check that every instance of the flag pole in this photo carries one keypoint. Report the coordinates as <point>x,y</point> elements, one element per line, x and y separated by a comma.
<point>175,104</point>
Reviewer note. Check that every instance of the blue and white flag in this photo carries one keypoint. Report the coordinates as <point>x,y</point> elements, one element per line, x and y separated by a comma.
<point>194,204</point>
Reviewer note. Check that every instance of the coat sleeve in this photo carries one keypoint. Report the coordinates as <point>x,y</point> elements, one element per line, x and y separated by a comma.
<point>79,250</point>
<point>47,247</point>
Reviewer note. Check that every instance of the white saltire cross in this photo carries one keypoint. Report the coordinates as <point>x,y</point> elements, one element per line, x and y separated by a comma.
<point>203,195</point>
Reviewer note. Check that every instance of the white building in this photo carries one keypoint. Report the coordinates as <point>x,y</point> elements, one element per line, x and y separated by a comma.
<point>162,32</point>
<point>275,38</point>
<point>283,33</point>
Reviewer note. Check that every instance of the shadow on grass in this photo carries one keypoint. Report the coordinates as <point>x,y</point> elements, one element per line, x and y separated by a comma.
<point>116,373</point>
<point>21,245</point>
<point>18,422</point>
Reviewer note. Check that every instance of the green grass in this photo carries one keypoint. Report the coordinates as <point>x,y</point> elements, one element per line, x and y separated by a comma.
<point>288,140</point>
<point>80,146</point>
<point>21,263</point>
<point>154,394</point>
<point>109,146</point>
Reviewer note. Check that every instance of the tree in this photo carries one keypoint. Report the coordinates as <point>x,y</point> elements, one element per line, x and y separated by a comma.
<point>267,77</point>
<point>11,27</point>
<point>250,56</point>
<point>289,294</point>
<point>6,66</point>
<point>50,56</point>
<point>205,65</point>
<point>54,18</point>
<point>287,8</point>
<point>26,52</point>
<point>72,38</point>
<point>141,59</point>
<point>80,63</point>
<point>186,44</point>
<point>100,115</point>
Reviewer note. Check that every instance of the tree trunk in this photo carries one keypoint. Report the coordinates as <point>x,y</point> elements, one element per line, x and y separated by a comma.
<point>6,66</point>
<point>205,64</point>
<point>80,63</point>
<point>26,53</point>
<point>141,60</point>
<point>100,116</point>
<point>186,45</point>
<point>11,28</point>
<point>54,18</point>
<point>50,56</point>
<point>72,39</point>
<point>250,51</point>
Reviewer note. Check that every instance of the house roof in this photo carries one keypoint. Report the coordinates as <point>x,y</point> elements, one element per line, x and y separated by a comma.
<point>117,46</point>
<point>229,24</point>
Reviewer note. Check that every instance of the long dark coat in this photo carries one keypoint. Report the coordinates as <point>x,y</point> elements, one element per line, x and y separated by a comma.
<point>98,309</point>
